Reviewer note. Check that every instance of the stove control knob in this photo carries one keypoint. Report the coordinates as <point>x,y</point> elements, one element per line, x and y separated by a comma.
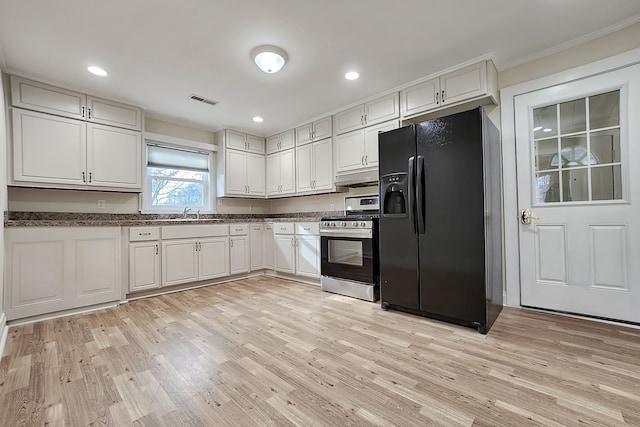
<point>344,223</point>
<point>363,224</point>
<point>355,224</point>
<point>333,224</point>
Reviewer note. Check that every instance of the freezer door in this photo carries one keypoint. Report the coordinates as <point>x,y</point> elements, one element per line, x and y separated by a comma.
<point>397,238</point>
<point>452,266</point>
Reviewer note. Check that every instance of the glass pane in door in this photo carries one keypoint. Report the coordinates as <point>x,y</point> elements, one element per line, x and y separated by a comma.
<point>606,183</point>
<point>573,116</point>
<point>575,185</point>
<point>604,110</point>
<point>605,146</point>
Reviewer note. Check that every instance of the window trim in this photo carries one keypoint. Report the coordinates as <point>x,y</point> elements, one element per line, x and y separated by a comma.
<point>144,201</point>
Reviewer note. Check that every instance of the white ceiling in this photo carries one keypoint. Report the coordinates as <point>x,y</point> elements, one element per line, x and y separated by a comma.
<point>159,52</point>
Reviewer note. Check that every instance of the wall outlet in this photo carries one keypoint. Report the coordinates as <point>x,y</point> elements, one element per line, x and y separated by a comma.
<point>250,208</point>
<point>101,204</point>
<point>219,202</point>
<point>333,206</point>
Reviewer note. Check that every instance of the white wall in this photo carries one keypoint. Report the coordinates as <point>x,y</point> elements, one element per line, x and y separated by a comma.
<point>3,203</point>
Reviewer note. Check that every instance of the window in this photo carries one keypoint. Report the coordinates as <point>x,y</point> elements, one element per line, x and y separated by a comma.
<point>177,177</point>
<point>577,150</point>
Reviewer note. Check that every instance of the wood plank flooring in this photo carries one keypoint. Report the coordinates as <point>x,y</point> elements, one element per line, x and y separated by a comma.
<point>264,351</point>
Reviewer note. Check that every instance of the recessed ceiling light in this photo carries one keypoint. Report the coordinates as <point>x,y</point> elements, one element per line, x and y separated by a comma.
<point>547,130</point>
<point>351,75</point>
<point>537,128</point>
<point>97,71</point>
<point>258,119</point>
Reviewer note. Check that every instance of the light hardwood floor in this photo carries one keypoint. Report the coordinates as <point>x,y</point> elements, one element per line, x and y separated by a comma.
<point>265,351</point>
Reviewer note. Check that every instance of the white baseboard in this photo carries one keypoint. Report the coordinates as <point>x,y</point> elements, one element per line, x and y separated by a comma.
<point>4,332</point>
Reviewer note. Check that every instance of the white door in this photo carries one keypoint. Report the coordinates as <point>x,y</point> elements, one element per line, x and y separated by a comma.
<point>578,162</point>
<point>113,157</point>
<point>239,254</point>
<point>256,174</point>
<point>322,161</point>
<point>213,258</point>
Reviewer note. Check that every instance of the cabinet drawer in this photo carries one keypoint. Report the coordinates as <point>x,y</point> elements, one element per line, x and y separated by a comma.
<point>308,228</point>
<point>283,228</point>
<point>194,231</point>
<point>238,229</point>
<point>139,234</point>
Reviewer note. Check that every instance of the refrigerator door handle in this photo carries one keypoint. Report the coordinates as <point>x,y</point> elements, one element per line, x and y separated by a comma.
<point>412,192</point>
<point>420,196</point>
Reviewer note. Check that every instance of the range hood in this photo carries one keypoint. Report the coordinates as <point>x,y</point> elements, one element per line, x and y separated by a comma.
<point>357,179</point>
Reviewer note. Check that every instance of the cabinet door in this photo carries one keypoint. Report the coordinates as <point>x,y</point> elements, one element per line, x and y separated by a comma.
<point>350,151</point>
<point>308,256</point>
<point>97,267</point>
<point>179,262</point>
<point>322,129</point>
<point>48,149</point>
<point>29,290</point>
<point>303,134</point>
<point>239,254</point>
<point>236,140</point>
<point>256,239</point>
<point>273,174</point>
<point>463,84</point>
<point>273,144</point>
<point>144,266</point>
<point>381,110</point>
<point>323,165</point>
<point>350,119</point>
<point>114,157</point>
<point>256,174</point>
<point>47,99</point>
<point>236,172</point>
<point>421,97</point>
<point>113,113</point>
<point>213,258</point>
<point>284,257</point>
<point>371,141</point>
<point>287,171</point>
<point>269,245</point>
<point>304,168</point>
<point>287,139</point>
<point>255,144</point>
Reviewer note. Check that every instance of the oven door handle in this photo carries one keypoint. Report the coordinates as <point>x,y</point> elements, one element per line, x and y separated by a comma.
<point>347,233</point>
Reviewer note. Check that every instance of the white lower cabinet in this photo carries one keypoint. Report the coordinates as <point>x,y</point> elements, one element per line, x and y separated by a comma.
<point>269,245</point>
<point>256,242</point>
<point>76,267</point>
<point>297,248</point>
<point>239,248</point>
<point>144,258</point>
<point>194,253</point>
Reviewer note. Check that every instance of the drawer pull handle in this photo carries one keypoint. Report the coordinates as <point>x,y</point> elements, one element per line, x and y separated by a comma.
<point>144,234</point>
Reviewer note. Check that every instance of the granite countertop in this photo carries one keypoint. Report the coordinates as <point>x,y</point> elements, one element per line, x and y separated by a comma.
<point>72,219</point>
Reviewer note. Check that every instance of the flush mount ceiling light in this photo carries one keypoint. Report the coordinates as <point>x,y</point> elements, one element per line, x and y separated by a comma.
<point>97,71</point>
<point>351,75</point>
<point>258,119</point>
<point>269,58</point>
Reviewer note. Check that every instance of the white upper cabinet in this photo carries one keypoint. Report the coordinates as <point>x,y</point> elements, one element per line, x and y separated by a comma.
<point>373,112</point>
<point>282,141</point>
<point>477,82</point>
<point>112,113</point>
<point>314,131</point>
<point>49,99</point>
<point>358,149</point>
<point>281,173</point>
<point>314,171</point>
<point>58,152</point>
<point>244,142</point>
<point>240,164</point>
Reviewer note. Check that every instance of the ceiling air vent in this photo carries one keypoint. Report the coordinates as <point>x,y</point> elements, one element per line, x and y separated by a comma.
<point>203,99</point>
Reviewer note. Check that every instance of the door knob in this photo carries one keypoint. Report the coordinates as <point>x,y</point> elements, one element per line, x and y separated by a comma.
<point>526,217</point>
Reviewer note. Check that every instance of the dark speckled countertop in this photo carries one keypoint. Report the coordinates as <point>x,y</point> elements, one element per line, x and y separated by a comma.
<point>74,219</point>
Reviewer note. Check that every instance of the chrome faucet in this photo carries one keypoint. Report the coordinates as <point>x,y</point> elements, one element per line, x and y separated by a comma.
<point>198,214</point>
<point>185,211</point>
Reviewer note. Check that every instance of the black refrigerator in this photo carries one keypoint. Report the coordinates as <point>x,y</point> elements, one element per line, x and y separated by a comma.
<point>440,231</point>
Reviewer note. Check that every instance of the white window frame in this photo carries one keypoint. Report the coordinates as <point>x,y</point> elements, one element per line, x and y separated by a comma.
<point>169,141</point>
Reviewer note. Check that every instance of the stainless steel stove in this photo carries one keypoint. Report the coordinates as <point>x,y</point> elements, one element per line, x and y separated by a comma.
<point>349,250</point>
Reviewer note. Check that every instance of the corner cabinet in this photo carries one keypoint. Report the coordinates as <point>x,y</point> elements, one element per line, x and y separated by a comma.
<point>76,267</point>
<point>281,173</point>
<point>477,82</point>
<point>240,165</point>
